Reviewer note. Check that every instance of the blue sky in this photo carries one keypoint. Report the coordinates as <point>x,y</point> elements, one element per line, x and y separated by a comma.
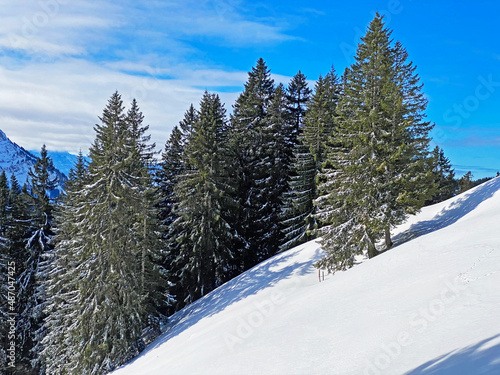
<point>60,60</point>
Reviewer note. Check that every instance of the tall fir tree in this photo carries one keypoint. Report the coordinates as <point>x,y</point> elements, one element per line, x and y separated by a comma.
<point>5,266</point>
<point>381,165</point>
<point>300,172</point>
<point>110,238</point>
<point>298,95</point>
<point>4,204</point>
<point>172,165</point>
<point>298,199</point>
<point>31,281</point>
<point>16,229</point>
<point>62,308</point>
<point>256,166</point>
<point>319,119</point>
<point>203,234</point>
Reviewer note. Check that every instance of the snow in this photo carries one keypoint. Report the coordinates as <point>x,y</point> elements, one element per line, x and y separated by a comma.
<point>430,305</point>
<point>16,160</point>
<point>63,161</point>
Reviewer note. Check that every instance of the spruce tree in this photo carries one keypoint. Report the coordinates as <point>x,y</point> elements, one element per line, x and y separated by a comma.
<point>300,169</point>
<point>381,170</point>
<point>4,204</point>
<point>34,265</point>
<point>298,95</point>
<point>465,182</point>
<point>140,171</point>
<point>17,232</point>
<point>203,234</point>
<point>110,243</point>
<point>5,267</point>
<point>298,200</point>
<point>252,142</point>
<point>319,119</point>
<point>61,307</point>
<point>173,163</point>
<point>444,177</point>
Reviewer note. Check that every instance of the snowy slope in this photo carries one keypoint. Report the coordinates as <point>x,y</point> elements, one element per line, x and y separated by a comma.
<point>431,305</point>
<point>16,160</point>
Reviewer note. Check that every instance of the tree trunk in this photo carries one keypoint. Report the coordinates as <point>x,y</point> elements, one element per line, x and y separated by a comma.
<point>372,250</point>
<point>143,258</point>
<point>388,241</point>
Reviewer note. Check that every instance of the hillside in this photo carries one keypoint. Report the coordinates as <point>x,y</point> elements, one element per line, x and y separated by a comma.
<point>429,306</point>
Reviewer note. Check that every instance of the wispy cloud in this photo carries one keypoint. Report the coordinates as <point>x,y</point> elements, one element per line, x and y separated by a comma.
<point>226,21</point>
<point>61,60</point>
<point>56,104</point>
<point>53,27</point>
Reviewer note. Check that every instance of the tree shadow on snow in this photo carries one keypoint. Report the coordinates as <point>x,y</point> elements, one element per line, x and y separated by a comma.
<point>449,215</point>
<point>481,358</point>
<point>258,278</point>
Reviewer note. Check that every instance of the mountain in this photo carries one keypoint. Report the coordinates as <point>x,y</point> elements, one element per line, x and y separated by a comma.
<point>16,160</point>
<point>63,160</point>
<point>430,305</point>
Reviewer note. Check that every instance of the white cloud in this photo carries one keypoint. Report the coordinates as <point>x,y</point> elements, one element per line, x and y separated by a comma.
<point>63,59</point>
<point>53,27</point>
<point>57,105</point>
<point>227,21</point>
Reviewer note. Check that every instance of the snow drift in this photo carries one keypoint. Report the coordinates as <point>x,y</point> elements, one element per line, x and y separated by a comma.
<point>431,305</point>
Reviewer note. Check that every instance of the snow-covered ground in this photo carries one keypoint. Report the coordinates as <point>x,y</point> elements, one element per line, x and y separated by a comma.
<point>431,305</point>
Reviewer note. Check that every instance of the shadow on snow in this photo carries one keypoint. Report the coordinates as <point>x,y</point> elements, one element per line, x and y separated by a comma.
<point>260,277</point>
<point>451,214</point>
<point>481,358</point>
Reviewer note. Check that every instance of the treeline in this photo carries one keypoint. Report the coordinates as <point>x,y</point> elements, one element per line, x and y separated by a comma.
<point>89,279</point>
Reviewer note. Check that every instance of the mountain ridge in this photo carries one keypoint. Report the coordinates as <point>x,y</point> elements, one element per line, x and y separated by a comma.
<point>15,159</point>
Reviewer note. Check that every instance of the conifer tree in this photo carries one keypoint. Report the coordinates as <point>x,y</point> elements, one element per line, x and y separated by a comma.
<point>298,200</point>
<point>203,233</point>
<point>309,156</point>
<point>173,163</point>
<point>319,119</point>
<point>298,95</point>
<point>17,232</point>
<point>31,281</point>
<point>4,204</point>
<point>300,169</point>
<point>140,174</point>
<point>4,275</point>
<point>465,182</point>
<point>381,164</point>
<point>19,228</point>
<point>444,177</point>
<point>61,307</point>
<point>186,124</point>
<point>111,240</point>
<point>252,142</point>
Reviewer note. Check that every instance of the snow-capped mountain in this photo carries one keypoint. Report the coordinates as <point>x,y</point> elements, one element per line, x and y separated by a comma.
<point>16,160</point>
<point>63,160</point>
<point>430,305</point>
